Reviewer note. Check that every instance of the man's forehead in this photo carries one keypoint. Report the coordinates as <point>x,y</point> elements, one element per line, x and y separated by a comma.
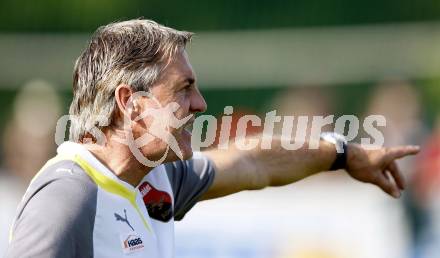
<point>181,68</point>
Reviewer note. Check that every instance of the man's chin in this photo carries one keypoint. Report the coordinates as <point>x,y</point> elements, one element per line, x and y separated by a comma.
<point>186,148</point>
<point>187,153</point>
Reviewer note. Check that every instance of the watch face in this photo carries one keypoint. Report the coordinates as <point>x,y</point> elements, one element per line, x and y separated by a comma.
<point>340,137</point>
<point>333,137</point>
<point>337,139</point>
<point>328,137</point>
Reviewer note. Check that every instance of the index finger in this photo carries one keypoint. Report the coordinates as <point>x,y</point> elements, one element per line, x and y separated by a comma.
<point>402,151</point>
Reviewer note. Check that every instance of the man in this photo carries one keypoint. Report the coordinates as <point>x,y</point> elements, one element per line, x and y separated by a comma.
<point>98,198</point>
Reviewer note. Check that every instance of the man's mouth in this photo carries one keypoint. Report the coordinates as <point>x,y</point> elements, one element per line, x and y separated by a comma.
<point>189,125</point>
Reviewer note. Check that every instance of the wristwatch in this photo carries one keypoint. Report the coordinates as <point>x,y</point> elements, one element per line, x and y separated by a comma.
<point>341,149</point>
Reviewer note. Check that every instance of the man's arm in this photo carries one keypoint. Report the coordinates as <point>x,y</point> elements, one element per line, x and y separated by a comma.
<point>238,170</point>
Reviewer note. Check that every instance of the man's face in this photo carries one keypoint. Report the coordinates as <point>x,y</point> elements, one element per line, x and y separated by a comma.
<point>174,101</point>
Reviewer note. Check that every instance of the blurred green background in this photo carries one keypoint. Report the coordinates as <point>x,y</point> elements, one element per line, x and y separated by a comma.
<point>299,57</point>
<point>83,17</point>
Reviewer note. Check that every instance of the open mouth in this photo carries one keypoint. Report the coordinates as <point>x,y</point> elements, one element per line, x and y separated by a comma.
<point>189,127</point>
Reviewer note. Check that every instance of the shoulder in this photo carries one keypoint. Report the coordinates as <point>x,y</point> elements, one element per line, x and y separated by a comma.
<point>63,180</point>
<point>189,179</point>
<point>199,164</point>
<point>59,207</point>
<point>61,194</point>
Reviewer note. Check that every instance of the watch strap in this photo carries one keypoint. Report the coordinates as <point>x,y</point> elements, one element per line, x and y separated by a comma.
<point>341,158</point>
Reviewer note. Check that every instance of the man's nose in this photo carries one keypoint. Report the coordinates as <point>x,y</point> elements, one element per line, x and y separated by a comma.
<point>198,103</point>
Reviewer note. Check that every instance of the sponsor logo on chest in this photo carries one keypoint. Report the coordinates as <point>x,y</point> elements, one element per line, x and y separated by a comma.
<point>131,242</point>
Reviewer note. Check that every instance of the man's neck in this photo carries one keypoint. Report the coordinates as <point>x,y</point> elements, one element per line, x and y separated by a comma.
<point>119,160</point>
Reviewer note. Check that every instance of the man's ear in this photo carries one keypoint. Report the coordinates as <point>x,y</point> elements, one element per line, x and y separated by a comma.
<point>127,106</point>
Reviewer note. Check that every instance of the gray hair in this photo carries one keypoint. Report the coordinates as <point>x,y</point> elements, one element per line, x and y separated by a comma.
<point>132,52</point>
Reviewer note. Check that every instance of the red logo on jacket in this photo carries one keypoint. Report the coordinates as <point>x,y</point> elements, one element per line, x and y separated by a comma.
<point>158,203</point>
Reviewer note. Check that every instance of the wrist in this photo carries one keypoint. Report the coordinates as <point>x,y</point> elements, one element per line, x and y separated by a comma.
<point>353,154</point>
<point>341,146</point>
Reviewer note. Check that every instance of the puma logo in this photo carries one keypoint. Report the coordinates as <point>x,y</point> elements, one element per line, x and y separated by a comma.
<point>120,218</point>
